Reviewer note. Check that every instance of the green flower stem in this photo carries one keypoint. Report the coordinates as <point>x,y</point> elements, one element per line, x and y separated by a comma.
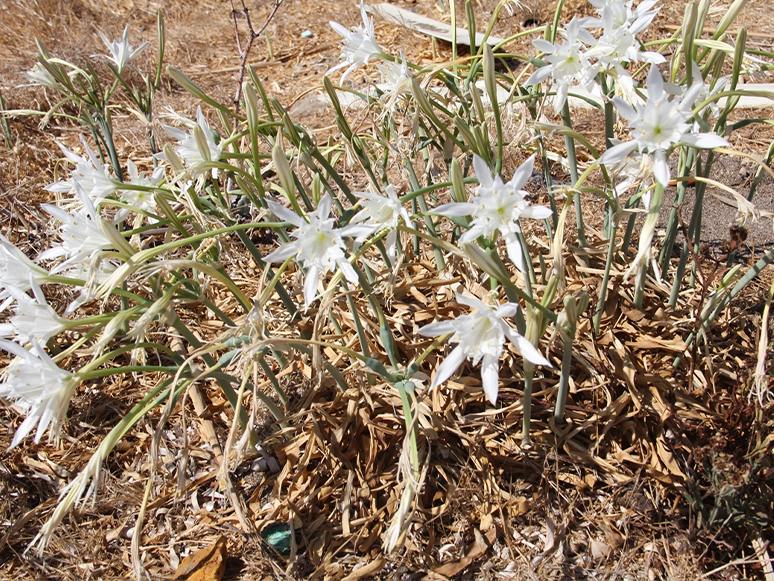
<point>194,89</point>
<point>529,275</point>
<point>432,188</point>
<point>764,261</point>
<point>58,355</point>
<point>632,202</point>
<point>564,380</point>
<point>600,308</point>
<point>218,313</point>
<point>694,238</point>
<point>90,368</point>
<point>358,323</point>
<point>439,261</point>
<point>105,126</point>
<point>685,165</point>
<point>569,143</point>
<point>97,373</point>
<point>529,372</point>
<point>493,269</point>
<point>412,428</point>
<point>224,383</point>
<point>283,397</point>
<point>759,172</point>
<point>649,226</point>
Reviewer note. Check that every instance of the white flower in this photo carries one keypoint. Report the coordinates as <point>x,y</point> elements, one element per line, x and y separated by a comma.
<point>481,335</point>
<point>498,207</point>
<point>121,52</point>
<point>90,173</point>
<point>396,81</point>
<point>141,199</point>
<point>318,246</point>
<point>196,147</point>
<point>567,62</point>
<point>636,170</point>
<point>359,44</point>
<point>659,124</point>
<point>16,269</point>
<point>82,233</point>
<point>39,387</point>
<point>34,318</point>
<point>39,75</point>
<point>378,213</point>
<point>618,44</point>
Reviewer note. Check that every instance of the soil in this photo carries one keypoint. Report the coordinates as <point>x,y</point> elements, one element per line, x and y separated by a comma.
<point>612,516</point>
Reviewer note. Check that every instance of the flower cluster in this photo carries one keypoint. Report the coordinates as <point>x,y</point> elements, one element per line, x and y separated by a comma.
<point>581,56</point>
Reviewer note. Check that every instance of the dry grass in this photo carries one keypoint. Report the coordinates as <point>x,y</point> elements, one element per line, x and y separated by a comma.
<point>615,494</point>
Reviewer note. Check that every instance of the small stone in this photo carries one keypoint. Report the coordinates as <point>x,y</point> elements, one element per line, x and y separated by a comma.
<point>306,34</point>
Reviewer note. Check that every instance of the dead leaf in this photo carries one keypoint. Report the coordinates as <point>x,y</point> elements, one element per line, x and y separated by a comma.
<point>207,564</point>
<point>599,550</point>
<point>367,570</point>
<point>476,549</point>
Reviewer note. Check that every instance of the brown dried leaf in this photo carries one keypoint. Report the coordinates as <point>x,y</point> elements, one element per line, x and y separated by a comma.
<point>207,564</point>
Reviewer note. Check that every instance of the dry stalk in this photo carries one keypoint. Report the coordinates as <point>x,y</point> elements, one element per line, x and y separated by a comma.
<point>252,35</point>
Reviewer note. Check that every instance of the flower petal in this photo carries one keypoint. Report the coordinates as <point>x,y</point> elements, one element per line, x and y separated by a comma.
<point>347,270</point>
<point>471,302</point>
<point>282,253</point>
<point>703,140</point>
<point>530,353</point>
<point>490,377</point>
<point>617,152</point>
<point>513,246</point>
<point>624,109</point>
<point>522,174</point>
<point>655,83</point>
<point>437,329</point>
<point>537,212</point>
<point>449,366</point>
<point>324,208</point>
<point>310,285</point>
<point>456,209</point>
<point>661,167</point>
<point>483,173</point>
<point>284,214</point>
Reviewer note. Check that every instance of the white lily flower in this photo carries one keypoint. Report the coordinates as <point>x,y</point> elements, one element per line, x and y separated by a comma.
<point>498,207</point>
<point>196,147</point>
<point>378,213</point>
<point>659,124</point>
<point>396,81</point>
<point>90,173</point>
<point>318,246</point>
<point>38,387</point>
<point>16,270</point>
<point>34,318</point>
<point>39,75</point>
<point>567,62</point>
<point>359,44</point>
<point>140,199</point>
<point>121,52</point>
<point>82,233</point>
<point>481,335</point>
<point>618,44</point>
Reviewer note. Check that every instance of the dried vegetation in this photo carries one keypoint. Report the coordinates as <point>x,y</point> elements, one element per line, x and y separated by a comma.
<point>661,472</point>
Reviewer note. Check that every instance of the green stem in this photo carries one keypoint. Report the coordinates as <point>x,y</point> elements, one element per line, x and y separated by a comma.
<point>572,160</point>
<point>564,381</point>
